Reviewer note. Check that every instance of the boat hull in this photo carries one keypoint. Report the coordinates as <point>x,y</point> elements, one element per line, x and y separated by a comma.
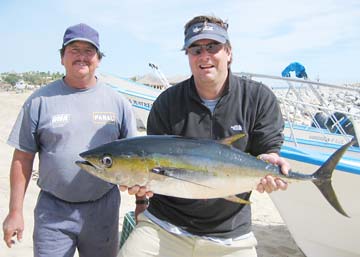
<point>317,229</point>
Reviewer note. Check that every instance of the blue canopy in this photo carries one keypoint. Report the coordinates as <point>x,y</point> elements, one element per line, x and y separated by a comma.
<point>297,68</point>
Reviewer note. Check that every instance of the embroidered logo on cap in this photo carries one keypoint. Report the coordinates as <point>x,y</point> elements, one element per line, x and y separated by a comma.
<point>202,28</point>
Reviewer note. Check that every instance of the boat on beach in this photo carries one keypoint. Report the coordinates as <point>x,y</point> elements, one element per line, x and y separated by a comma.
<point>317,229</point>
<point>140,96</point>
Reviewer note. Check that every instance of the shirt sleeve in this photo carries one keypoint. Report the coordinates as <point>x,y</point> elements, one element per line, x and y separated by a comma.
<point>267,135</point>
<point>24,132</point>
<point>128,126</point>
<point>158,121</point>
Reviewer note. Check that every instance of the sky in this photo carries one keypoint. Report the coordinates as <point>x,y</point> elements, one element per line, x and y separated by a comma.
<point>266,35</point>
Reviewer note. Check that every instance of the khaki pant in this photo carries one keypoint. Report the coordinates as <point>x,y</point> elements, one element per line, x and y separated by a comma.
<point>148,239</point>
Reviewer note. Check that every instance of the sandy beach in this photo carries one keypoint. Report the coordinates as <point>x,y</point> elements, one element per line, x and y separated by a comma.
<point>273,236</point>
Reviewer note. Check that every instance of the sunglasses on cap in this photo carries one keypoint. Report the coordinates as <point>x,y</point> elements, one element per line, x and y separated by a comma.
<point>211,48</point>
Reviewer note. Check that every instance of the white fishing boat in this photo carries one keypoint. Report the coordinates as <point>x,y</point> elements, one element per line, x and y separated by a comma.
<point>317,229</point>
<point>140,96</point>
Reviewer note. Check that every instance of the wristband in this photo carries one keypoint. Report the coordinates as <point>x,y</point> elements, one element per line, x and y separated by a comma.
<point>142,201</point>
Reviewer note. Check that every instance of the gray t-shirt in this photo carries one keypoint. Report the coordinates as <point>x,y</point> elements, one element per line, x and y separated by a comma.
<point>59,122</point>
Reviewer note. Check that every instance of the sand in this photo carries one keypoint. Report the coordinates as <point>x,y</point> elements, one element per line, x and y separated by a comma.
<point>273,236</point>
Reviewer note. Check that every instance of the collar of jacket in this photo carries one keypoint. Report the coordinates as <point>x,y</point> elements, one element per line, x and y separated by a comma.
<point>229,84</point>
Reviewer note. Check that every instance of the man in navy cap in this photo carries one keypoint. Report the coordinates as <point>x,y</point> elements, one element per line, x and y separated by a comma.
<point>75,210</point>
<point>214,104</point>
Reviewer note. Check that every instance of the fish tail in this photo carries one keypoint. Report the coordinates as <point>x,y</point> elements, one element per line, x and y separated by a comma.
<point>322,177</point>
<point>328,192</point>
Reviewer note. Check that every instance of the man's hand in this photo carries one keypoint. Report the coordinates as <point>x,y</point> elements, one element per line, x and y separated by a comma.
<point>13,226</point>
<point>137,190</point>
<point>270,183</point>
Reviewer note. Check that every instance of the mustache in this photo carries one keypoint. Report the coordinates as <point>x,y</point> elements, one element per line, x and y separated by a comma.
<point>80,61</point>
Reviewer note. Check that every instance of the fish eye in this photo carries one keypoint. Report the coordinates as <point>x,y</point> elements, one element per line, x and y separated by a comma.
<point>107,161</point>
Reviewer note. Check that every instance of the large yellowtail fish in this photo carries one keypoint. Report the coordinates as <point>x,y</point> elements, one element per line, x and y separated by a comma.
<point>195,168</point>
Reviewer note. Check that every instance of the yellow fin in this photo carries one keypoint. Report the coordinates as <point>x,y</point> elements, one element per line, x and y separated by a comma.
<point>235,199</point>
<point>230,140</point>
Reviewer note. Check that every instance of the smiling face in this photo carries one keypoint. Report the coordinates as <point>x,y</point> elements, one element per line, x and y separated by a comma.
<point>209,69</point>
<point>80,60</point>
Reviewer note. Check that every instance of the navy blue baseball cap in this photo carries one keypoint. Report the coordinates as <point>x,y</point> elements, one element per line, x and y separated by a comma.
<point>81,32</point>
<point>205,30</point>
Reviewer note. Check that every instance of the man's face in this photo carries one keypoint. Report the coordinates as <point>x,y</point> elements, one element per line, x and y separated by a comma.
<point>208,65</point>
<point>80,60</point>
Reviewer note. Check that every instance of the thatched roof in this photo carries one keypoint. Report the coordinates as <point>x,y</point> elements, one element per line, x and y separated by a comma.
<point>150,79</point>
<point>177,78</point>
<point>153,80</point>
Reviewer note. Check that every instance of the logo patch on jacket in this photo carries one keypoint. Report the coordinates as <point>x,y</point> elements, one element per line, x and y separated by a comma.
<point>236,128</point>
<point>103,117</point>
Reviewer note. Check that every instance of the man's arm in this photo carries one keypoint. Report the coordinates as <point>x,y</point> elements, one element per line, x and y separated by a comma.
<point>20,173</point>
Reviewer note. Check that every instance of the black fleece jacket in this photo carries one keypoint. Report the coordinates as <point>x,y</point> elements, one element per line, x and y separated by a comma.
<point>246,107</point>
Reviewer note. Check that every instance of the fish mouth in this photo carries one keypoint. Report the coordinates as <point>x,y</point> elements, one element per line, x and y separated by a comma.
<point>88,166</point>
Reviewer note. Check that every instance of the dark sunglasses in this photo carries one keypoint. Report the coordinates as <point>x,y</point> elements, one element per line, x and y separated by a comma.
<point>211,48</point>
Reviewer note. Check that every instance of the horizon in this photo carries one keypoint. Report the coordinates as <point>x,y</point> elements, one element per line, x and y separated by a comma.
<point>265,36</point>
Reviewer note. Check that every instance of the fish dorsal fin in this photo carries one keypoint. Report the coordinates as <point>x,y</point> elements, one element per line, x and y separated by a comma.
<point>230,140</point>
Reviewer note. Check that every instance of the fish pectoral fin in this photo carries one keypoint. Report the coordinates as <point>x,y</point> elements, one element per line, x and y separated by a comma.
<point>230,140</point>
<point>235,199</point>
<point>179,174</point>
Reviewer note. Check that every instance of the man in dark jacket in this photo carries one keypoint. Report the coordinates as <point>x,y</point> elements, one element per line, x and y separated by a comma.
<point>215,104</point>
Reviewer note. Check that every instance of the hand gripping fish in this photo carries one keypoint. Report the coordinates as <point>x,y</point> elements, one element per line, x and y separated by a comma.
<point>195,168</point>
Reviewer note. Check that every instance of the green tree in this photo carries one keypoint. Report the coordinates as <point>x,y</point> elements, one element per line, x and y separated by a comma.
<point>31,77</point>
<point>11,78</point>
